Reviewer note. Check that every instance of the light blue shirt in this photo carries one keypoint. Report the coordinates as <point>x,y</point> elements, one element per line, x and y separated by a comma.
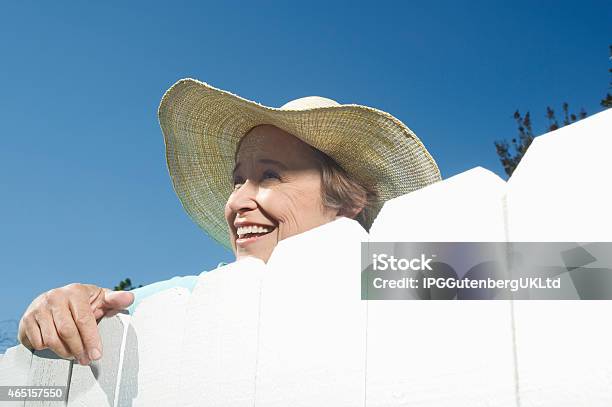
<point>141,293</point>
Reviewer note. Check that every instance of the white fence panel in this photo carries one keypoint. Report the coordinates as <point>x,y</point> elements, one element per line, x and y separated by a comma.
<point>442,353</point>
<point>14,370</point>
<point>151,364</point>
<point>48,369</point>
<point>561,192</point>
<point>96,383</point>
<point>219,351</point>
<point>312,334</point>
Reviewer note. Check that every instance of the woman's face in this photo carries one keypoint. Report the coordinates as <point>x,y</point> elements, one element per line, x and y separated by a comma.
<point>277,192</point>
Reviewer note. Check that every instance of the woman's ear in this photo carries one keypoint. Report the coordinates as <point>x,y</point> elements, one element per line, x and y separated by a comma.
<point>350,212</point>
<point>358,204</point>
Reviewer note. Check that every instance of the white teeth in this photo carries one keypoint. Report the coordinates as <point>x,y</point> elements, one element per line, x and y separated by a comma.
<point>243,230</point>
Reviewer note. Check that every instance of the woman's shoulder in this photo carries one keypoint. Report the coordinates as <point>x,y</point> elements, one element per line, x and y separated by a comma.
<point>143,292</point>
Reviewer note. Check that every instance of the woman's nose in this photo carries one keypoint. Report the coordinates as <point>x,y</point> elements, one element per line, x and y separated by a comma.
<point>243,199</point>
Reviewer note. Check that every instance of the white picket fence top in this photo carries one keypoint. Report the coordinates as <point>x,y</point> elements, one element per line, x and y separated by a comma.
<point>294,331</point>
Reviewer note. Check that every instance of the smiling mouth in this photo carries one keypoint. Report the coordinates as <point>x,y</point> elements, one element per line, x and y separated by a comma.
<point>248,234</point>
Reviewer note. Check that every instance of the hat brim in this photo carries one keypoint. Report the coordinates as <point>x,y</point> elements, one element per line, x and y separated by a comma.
<point>202,126</point>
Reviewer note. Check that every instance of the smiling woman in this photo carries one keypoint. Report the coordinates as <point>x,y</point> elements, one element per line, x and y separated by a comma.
<point>282,187</point>
<point>250,176</point>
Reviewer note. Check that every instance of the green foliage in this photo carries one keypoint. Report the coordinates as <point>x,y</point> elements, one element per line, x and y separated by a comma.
<point>568,118</point>
<point>125,285</point>
<point>511,154</point>
<point>510,157</point>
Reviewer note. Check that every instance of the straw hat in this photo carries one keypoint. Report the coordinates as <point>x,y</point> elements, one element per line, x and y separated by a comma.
<point>202,126</point>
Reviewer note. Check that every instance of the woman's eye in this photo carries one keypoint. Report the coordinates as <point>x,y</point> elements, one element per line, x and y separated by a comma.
<point>270,174</point>
<point>238,182</point>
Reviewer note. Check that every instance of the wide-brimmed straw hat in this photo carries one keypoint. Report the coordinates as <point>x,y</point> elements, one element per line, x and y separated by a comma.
<point>202,126</point>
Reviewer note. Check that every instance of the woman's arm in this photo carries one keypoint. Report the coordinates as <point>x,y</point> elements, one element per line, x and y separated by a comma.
<point>143,292</point>
<point>64,319</point>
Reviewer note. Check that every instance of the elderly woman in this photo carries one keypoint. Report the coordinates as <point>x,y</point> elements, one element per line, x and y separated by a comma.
<point>250,176</point>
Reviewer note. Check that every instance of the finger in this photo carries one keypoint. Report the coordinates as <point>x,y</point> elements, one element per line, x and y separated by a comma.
<point>29,334</point>
<point>49,334</point>
<point>118,300</point>
<point>96,295</point>
<point>98,306</point>
<point>26,342</point>
<point>98,313</point>
<point>68,333</point>
<point>87,327</point>
<point>96,300</point>
<point>110,303</point>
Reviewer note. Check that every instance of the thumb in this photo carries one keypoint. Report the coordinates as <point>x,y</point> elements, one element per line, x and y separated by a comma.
<point>118,300</point>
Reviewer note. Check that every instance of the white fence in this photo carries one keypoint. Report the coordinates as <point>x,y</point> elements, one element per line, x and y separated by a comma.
<point>294,331</point>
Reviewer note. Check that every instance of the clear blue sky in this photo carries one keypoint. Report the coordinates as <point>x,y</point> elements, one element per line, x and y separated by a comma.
<point>86,196</point>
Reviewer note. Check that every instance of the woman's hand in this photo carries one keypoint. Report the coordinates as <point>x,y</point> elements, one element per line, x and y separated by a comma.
<point>64,320</point>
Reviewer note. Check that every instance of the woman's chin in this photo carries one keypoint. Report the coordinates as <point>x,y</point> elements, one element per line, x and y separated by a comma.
<point>260,248</point>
